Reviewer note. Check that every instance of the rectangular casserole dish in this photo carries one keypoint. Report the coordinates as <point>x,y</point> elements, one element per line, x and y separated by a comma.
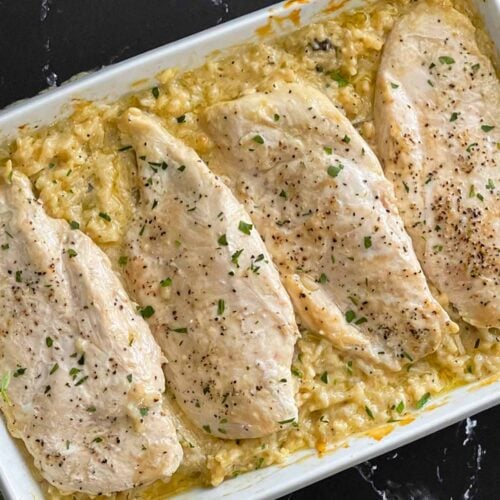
<point>303,468</point>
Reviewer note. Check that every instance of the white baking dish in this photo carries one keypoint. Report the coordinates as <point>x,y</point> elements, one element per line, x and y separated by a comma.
<point>16,481</point>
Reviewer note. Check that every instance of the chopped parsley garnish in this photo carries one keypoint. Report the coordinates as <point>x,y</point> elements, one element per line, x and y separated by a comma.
<point>470,146</point>
<point>143,411</point>
<point>276,117</point>
<point>4,384</point>
<point>19,276</point>
<point>74,225</point>
<point>407,356</point>
<point>490,184</point>
<point>360,321</point>
<point>472,191</point>
<point>323,278</point>
<point>20,371</point>
<point>324,377</point>
<point>487,128</point>
<point>446,60</point>
<point>154,205</point>
<point>71,253</point>
<point>253,267</point>
<point>475,67</point>
<point>334,170</point>
<point>437,248</point>
<point>221,306</point>
<point>124,148</point>
<point>82,380</point>
<point>453,117</point>
<point>129,377</point>
<point>337,77</point>
<point>146,312</point>
<point>349,367</point>
<point>206,428</point>
<point>244,227</point>
<point>156,92</point>
<point>346,139</point>
<point>54,369</point>
<point>49,342</point>
<point>480,197</point>
<point>97,440</point>
<point>367,241</point>
<point>284,194</point>
<point>91,409</point>
<point>122,260</point>
<point>143,228</point>
<point>287,421</point>
<point>258,139</point>
<point>430,83</point>
<point>328,150</point>
<point>296,372</point>
<point>369,413</point>
<point>400,408</point>
<point>181,119</point>
<point>180,330</point>
<point>236,256</point>
<point>350,315</point>
<point>74,372</point>
<point>5,246</point>
<point>423,400</point>
<point>166,282</point>
<point>105,216</point>
<point>394,85</point>
<point>222,240</point>
<point>282,222</point>
<point>182,168</point>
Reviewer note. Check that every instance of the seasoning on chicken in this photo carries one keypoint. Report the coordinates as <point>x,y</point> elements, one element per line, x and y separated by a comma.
<point>437,114</point>
<point>316,193</point>
<point>209,290</point>
<point>81,374</point>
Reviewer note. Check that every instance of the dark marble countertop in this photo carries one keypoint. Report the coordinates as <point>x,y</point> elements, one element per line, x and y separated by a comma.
<point>45,42</point>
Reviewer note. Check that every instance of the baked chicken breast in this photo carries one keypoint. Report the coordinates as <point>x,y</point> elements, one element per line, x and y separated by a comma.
<point>81,376</point>
<point>437,117</point>
<point>317,195</point>
<point>211,294</point>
